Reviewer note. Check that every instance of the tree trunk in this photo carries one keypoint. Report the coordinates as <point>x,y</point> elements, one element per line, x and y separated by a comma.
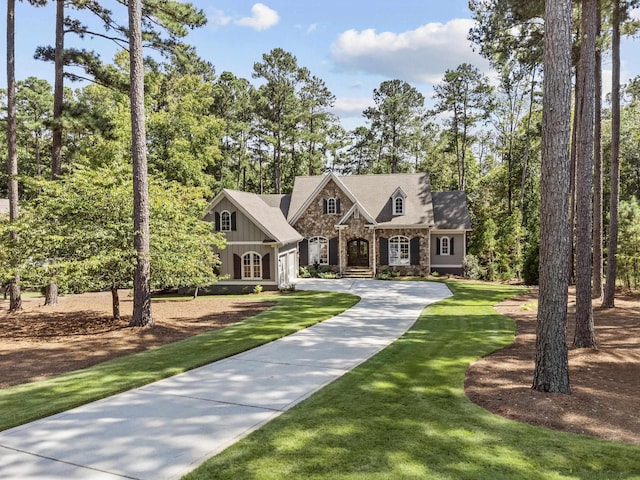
<point>597,291</point>
<point>552,365</point>
<point>115,303</point>
<point>15,302</point>
<point>572,177</point>
<point>51,294</point>
<point>142,276</point>
<point>58,94</point>
<point>612,248</point>
<point>585,336</point>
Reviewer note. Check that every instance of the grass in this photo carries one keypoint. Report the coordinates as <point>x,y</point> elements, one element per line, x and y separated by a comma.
<point>404,415</point>
<point>292,312</point>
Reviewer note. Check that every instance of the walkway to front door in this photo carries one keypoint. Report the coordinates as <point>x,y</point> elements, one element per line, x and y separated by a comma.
<point>358,253</point>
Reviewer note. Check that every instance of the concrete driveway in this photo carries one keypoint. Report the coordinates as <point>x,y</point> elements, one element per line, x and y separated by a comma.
<point>168,428</point>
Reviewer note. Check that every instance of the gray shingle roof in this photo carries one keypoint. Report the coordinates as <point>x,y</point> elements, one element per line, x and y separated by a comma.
<point>450,210</point>
<point>280,201</point>
<point>270,218</point>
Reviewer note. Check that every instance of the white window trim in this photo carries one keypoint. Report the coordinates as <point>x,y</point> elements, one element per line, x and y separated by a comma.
<point>222,225</point>
<point>395,205</point>
<point>252,265</point>
<point>442,252</point>
<point>318,239</point>
<point>332,203</point>
<point>401,262</point>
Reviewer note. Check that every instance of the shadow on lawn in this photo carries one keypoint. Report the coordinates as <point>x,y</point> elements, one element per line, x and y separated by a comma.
<point>404,414</point>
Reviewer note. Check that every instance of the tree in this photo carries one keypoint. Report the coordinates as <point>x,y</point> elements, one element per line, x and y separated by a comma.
<point>551,364</point>
<point>585,333</point>
<point>277,105</point>
<point>608,299</point>
<point>34,103</point>
<point>83,221</point>
<point>142,278</point>
<point>15,302</point>
<point>398,106</point>
<point>597,287</point>
<point>465,96</point>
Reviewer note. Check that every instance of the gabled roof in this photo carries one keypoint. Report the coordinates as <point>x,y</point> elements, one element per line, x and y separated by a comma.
<point>277,200</point>
<point>450,211</point>
<point>268,218</point>
<point>373,193</point>
<point>357,207</point>
<point>4,206</point>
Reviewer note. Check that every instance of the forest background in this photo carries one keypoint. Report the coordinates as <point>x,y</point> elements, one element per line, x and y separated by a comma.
<point>207,130</point>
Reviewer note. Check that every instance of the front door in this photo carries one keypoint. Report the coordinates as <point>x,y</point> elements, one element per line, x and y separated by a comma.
<point>358,253</point>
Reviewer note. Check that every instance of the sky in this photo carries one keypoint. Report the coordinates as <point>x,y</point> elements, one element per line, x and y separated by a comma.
<point>353,45</point>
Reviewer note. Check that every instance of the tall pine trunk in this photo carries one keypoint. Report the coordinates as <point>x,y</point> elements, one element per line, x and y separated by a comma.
<point>612,247</point>
<point>597,291</point>
<point>58,94</point>
<point>551,364</point>
<point>142,276</point>
<point>585,336</point>
<point>15,298</point>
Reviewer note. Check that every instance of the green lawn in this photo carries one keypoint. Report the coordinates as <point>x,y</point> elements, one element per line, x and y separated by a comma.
<point>403,415</point>
<point>292,312</point>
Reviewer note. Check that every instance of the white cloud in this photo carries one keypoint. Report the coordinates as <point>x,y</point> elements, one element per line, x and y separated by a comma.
<point>312,27</point>
<point>635,14</point>
<point>351,106</point>
<point>218,18</point>
<point>420,55</point>
<point>262,18</point>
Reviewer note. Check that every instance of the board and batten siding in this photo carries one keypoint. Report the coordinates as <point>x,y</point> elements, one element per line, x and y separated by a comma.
<point>246,230</point>
<point>455,260</point>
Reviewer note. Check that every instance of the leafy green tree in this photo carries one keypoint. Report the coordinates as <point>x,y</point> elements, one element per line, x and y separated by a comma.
<point>183,134</point>
<point>232,103</point>
<point>34,105</point>
<point>629,245</point>
<point>316,122</point>
<point>78,231</point>
<point>277,105</point>
<point>398,107</point>
<point>466,97</point>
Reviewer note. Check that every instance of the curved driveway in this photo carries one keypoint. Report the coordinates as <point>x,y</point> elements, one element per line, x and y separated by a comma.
<point>166,429</point>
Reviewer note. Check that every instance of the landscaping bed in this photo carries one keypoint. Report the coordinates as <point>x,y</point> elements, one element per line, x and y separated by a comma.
<point>605,383</point>
<point>41,342</point>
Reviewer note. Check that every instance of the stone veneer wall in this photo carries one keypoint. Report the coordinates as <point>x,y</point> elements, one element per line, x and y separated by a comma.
<point>417,270</point>
<point>356,228</point>
<point>314,222</point>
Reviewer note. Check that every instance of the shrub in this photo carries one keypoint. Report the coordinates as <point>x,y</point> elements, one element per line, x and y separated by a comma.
<point>471,267</point>
<point>305,273</point>
<point>257,289</point>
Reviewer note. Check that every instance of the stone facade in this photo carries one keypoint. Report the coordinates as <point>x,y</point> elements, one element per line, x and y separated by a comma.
<point>314,222</point>
<point>425,254</point>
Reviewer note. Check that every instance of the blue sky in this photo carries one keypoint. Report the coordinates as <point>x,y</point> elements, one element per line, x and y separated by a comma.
<point>353,45</point>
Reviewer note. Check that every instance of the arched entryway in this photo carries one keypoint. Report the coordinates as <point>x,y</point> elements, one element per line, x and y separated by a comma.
<point>358,253</point>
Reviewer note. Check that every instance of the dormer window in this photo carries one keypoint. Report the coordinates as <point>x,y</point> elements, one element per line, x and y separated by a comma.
<point>398,200</point>
<point>398,206</point>
<point>331,206</point>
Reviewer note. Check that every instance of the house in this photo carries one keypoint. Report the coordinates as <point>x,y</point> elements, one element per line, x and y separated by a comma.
<point>354,225</point>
